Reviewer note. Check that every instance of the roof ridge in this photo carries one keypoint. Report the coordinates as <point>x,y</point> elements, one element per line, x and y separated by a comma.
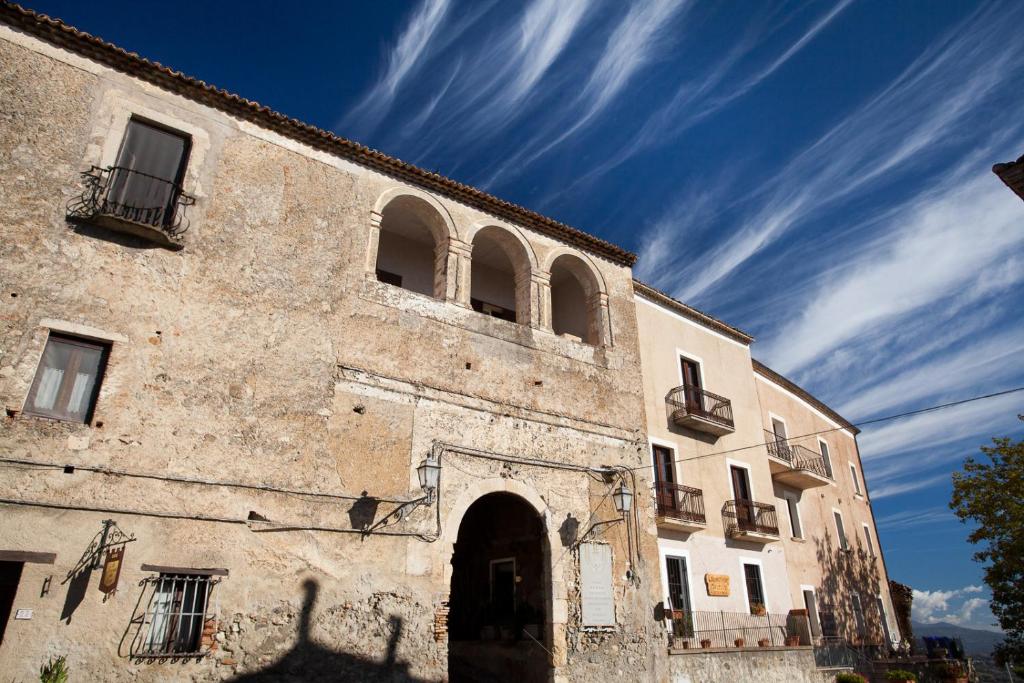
<point>692,313</point>
<point>91,47</point>
<point>792,386</point>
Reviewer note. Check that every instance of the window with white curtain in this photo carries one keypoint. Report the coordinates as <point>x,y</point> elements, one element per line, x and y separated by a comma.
<point>68,378</point>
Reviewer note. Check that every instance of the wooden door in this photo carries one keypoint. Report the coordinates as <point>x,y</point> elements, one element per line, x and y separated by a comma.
<point>744,502</point>
<point>692,384</point>
<point>664,478</point>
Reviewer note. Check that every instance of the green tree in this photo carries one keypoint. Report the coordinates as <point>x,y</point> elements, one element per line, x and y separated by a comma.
<point>990,493</point>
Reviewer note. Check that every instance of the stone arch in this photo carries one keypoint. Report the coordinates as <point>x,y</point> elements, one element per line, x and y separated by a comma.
<point>411,234</point>
<point>555,597</point>
<point>501,273</point>
<point>577,299</point>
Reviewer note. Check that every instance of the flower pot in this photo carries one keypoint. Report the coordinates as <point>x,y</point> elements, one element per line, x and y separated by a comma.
<point>686,645</point>
<point>705,643</point>
<point>739,642</point>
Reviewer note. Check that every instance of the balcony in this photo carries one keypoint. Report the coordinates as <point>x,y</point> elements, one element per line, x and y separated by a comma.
<point>691,407</point>
<point>794,465</point>
<point>132,202</point>
<point>679,507</point>
<point>745,520</point>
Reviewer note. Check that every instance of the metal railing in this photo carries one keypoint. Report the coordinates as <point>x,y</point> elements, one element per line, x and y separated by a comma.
<point>133,197</point>
<point>746,515</point>
<point>680,502</point>
<point>703,629</point>
<point>799,457</point>
<point>690,400</point>
<point>176,616</point>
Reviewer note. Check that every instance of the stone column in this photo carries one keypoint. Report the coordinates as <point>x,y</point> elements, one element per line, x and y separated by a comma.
<point>599,319</point>
<point>372,247</point>
<point>459,260</point>
<point>541,297</point>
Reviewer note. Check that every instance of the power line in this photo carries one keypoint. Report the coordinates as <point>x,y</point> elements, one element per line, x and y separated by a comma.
<point>864,423</point>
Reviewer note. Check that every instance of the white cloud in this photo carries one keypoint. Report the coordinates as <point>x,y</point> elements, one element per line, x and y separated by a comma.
<point>402,61</point>
<point>897,129</point>
<point>930,607</point>
<point>916,517</point>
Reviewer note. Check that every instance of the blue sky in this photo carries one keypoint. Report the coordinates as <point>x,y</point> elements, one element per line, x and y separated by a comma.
<point>817,174</point>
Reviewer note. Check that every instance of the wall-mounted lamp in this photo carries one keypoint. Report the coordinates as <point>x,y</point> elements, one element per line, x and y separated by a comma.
<point>429,472</point>
<point>623,499</point>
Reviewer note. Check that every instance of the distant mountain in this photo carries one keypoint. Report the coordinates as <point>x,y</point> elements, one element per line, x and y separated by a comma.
<point>976,641</point>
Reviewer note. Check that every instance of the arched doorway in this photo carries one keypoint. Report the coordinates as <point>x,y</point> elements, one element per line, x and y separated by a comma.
<point>499,600</point>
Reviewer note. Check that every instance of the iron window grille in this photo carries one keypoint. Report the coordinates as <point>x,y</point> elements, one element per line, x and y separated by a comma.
<point>177,614</point>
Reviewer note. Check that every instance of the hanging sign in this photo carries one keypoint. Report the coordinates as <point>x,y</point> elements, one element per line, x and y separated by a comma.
<point>718,585</point>
<point>112,570</point>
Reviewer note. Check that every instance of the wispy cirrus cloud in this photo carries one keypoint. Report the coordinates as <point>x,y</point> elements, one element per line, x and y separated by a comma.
<point>402,60</point>
<point>899,128</point>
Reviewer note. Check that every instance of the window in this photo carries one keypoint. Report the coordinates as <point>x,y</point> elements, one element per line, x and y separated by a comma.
<point>144,182</point>
<point>68,379</point>
<point>412,237</point>
<point>858,614</point>
<point>678,584</point>
<point>867,540</point>
<point>856,481</point>
<point>794,515</point>
<point>679,596</point>
<point>755,588</point>
<point>575,299</point>
<point>840,530</point>
<point>812,612</point>
<point>885,620</point>
<point>176,615</point>
<point>825,457</point>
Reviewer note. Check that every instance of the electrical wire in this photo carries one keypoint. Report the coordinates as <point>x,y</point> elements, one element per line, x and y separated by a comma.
<point>862,423</point>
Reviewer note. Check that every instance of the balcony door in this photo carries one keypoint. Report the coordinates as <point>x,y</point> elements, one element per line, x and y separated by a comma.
<point>664,477</point>
<point>143,184</point>
<point>744,498</point>
<point>679,596</point>
<point>691,382</point>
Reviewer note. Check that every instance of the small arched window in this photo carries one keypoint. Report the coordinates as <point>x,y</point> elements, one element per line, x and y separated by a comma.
<point>411,237</point>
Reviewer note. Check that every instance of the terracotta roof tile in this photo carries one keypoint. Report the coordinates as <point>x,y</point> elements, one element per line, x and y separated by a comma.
<point>1012,173</point>
<point>691,312</point>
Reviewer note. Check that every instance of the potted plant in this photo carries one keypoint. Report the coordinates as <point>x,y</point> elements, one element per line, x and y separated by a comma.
<point>758,608</point>
<point>901,675</point>
<point>849,677</point>
<point>792,641</point>
<point>739,642</point>
<point>949,671</point>
<point>705,643</point>
<point>763,642</point>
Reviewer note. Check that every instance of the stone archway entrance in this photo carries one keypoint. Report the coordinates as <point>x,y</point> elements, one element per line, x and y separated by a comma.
<point>499,600</point>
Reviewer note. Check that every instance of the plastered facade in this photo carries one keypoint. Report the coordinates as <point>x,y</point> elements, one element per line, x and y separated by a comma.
<point>789,564</point>
<point>266,398</point>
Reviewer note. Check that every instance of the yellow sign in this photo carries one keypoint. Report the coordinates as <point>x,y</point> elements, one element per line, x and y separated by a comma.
<point>718,584</point>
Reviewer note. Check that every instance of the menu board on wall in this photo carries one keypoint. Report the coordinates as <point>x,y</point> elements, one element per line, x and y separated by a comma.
<point>596,584</point>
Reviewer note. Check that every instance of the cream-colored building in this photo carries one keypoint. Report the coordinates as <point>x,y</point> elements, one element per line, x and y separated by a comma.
<point>760,497</point>
<point>280,407</point>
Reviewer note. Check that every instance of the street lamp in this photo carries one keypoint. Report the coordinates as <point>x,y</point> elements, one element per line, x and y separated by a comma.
<point>623,499</point>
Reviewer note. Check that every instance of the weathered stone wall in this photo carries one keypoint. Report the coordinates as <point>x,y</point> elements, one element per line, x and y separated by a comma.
<point>749,666</point>
<point>262,355</point>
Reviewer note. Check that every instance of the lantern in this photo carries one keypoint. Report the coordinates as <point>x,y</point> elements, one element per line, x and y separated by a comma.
<point>429,472</point>
<point>623,499</point>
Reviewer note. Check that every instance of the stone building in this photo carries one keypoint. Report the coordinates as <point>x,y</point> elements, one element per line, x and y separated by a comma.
<point>282,407</point>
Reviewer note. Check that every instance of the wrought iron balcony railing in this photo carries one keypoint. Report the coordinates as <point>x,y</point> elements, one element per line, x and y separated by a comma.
<point>680,502</point>
<point>693,629</point>
<point>798,457</point>
<point>690,406</point>
<point>123,195</point>
<point>746,516</point>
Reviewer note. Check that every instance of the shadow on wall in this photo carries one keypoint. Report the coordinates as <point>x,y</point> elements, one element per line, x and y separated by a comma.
<point>844,574</point>
<point>311,661</point>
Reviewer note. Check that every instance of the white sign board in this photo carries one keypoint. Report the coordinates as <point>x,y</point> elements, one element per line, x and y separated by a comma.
<point>596,584</point>
<point>23,614</point>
